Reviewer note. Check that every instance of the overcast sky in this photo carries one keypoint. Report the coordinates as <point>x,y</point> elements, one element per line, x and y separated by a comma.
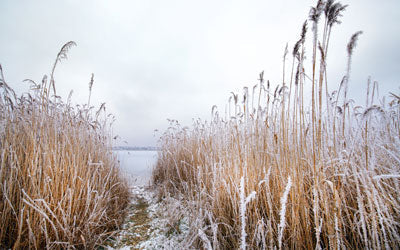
<point>154,60</point>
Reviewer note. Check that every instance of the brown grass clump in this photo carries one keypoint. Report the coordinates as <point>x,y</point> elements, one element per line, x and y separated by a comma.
<point>60,185</point>
<point>277,172</point>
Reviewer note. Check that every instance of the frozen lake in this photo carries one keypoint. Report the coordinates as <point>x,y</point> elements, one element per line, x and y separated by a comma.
<point>137,164</point>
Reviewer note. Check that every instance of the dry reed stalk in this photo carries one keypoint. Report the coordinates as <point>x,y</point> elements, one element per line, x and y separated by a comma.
<point>343,162</point>
<point>60,184</point>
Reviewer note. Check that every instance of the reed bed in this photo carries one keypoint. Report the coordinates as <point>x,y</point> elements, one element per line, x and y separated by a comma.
<point>286,169</point>
<point>60,184</point>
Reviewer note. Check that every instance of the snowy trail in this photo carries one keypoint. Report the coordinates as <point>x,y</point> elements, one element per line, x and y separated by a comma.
<point>137,227</point>
<point>149,225</point>
<point>152,222</point>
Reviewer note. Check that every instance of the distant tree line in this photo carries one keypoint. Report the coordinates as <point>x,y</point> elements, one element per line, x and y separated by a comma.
<point>135,148</point>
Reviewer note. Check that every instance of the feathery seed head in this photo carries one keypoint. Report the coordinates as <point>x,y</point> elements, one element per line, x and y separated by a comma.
<point>333,11</point>
<point>353,42</point>
<point>316,11</point>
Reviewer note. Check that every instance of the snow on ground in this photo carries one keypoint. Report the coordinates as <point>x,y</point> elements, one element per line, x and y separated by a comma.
<point>152,223</point>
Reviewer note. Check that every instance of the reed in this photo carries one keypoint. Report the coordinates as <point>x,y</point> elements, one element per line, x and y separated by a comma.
<point>60,185</point>
<point>322,177</point>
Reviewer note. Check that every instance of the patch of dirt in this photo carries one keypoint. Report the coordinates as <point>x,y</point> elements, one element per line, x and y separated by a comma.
<point>137,225</point>
<point>151,223</point>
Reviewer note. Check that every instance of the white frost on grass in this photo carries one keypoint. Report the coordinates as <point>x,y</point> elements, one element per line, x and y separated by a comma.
<point>243,203</point>
<point>282,213</point>
<point>162,233</point>
<point>386,176</point>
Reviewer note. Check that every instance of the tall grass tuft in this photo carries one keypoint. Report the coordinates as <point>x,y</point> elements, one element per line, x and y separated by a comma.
<point>323,176</point>
<point>60,185</point>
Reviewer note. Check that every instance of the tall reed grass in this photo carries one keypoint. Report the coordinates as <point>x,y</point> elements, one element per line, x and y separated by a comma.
<point>60,185</point>
<point>323,175</point>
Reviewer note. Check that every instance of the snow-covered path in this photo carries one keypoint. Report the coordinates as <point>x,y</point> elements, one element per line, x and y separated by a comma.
<point>152,222</point>
<point>149,224</point>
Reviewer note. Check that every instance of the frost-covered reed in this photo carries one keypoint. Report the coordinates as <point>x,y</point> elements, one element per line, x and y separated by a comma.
<point>243,203</point>
<point>60,185</point>
<point>282,213</point>
<point>325,171</point>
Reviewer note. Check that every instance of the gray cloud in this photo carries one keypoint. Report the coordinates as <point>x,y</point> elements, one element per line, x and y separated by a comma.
<point>155,60</point>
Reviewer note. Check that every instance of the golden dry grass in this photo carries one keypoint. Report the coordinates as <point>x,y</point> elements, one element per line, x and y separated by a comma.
<point>325,175</point>
<point>60,185</point>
